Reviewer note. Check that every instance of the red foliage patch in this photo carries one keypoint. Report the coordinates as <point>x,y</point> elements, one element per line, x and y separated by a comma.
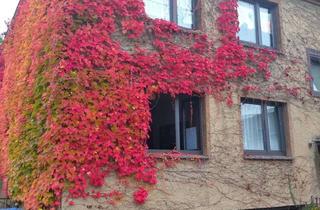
<point>140,196</point>
<point>1,66</point>
<point>112,60</point>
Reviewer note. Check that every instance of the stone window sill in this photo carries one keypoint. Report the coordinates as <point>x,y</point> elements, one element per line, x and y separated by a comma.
<point>266,157</point>
<point>256,46</point>
<point>316,94</point>
<point>180,156</point>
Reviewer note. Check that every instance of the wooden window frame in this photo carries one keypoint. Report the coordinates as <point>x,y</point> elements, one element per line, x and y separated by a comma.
<point>173,13</point>
<point>266,139</point>
<point>178,129</point>
<point>275,23</point>
<point>313,55</point>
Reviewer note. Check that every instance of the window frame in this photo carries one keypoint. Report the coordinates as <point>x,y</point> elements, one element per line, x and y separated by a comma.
<point>178,129</point>
<point>313,55</point>
<point>275,23</point>
<point>173,13</point>
<point>265,128</point>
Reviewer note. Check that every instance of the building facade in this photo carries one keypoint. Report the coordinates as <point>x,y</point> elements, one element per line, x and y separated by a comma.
<point>247,163</point>
<point>260,152</point>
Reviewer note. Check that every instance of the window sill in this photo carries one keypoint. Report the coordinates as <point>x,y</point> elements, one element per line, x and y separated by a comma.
<point>194,30</point>
<point>177,155</point>
<point>190,30</point>
<point>316,94</point>
<point>266,157</point>
<point>261,47</point>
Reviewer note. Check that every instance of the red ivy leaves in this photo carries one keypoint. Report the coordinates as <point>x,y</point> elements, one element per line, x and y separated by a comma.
<point>132,28</point>
<point>1,66</point>
<point>140,196</point>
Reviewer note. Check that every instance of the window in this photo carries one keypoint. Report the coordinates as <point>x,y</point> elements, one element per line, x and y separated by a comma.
<point>263,127</point>
<point>176,123</point>
<point>3,187</point>
<point>181,12</point>
<point>314,68</point>
<point>257,22</point>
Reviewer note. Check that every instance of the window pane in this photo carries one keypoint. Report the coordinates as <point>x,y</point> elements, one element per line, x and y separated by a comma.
<point>247,22</point>
<point>185,13</point>
<point>190,118</point>
<point>266,26</point>
<point>162,133</point>
<point>274,128</point>
<point>158,9</point>
<point>252,126</point>
<point>315,73</point>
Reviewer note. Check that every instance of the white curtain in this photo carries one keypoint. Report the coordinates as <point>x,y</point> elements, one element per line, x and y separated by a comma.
<point>274,128</point>
<point>252,126</point>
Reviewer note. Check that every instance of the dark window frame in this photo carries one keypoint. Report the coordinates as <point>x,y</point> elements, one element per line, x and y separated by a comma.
<point>173,13</point>
<point>179,130</point>
<point>265,128</point>
<point>313,55</point>
<point>275,23</point>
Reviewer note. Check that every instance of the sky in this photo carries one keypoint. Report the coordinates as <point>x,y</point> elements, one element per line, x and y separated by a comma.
<point>7,9</point>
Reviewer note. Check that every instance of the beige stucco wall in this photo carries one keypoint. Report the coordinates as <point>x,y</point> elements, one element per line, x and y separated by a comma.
<point>226,180</point>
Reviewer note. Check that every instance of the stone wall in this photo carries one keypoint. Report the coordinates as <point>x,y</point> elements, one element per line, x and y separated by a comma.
<point>224,179</point>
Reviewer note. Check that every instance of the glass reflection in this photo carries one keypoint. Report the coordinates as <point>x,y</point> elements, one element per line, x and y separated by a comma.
<point>157,9</point>
<point>315,73</point>
<point>185,13</point>
<point>247,22</point>
<point>274,128</point>
<point>266,27</point>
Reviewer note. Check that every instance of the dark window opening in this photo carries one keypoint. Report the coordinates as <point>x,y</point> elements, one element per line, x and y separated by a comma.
<point>182,12</point>
<point>257,22</point>
<point>176,123</point>
<point>263,127</point>
<point>3,187</point>
<point>163,133</point>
